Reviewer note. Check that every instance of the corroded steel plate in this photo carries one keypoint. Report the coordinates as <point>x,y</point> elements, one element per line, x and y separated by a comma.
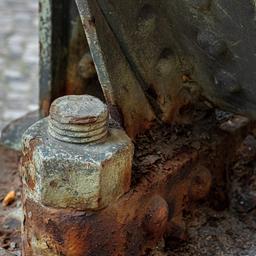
<point>172,46</point>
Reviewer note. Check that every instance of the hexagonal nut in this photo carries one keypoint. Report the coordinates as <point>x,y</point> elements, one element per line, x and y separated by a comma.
<point>79,176</point>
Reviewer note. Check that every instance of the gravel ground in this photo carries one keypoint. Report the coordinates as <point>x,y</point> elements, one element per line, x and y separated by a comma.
<point>213,233</point>
<point>18,58</point>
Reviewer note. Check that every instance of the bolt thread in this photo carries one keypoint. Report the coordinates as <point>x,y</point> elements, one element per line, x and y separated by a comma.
<point>78,133</point>
<point>78,119</point>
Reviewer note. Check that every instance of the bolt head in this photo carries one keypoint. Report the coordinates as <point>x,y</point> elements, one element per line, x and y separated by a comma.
<point>83,177</point>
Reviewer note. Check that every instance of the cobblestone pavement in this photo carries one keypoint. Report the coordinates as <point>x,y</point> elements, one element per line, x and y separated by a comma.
<point>18,58</point>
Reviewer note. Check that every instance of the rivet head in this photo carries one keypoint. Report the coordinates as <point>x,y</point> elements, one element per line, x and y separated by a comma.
<point>200,183</point>
<point>209,42</point>
<point>86,67</point>
<point>203,5</point>
<point>166,62</point>
<point>156,217</point>
<point>78,119</point>
<point>146,19</point>
<point>226,82</point>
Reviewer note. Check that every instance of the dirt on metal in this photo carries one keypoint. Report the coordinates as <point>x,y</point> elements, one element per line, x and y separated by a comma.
<point>229,232</point>
<point>197,225</point>
<point>10,216</point>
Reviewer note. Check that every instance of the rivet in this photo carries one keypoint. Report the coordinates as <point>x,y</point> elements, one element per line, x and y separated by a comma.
<point>209,42</point>
<point>146,19</point>
<point>86,68</point>
<point>156,217</point>
<point>200,183</point>
<point>166,62</point>
<point>226,82</point>
<point>203,5</point>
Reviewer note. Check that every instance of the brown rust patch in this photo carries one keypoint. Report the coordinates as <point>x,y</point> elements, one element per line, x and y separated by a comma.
<point>116,230</point>
<point>45,107</point>
<point>167,183</point>
<point>27,170</point>
<point>75,84</point>
<point>201,183</point>
<point>156,217</point>
<point>30,180</point>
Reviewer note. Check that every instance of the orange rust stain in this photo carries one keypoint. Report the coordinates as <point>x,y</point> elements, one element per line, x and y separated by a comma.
<point>74,243</point>
<point>9,198</point>
<point>30,181</point>
<point>26,160</point>
<point>45,106</point>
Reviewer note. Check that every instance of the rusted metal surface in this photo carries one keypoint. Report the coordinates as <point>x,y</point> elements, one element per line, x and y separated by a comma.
<point>166,50</point>
<point>128,227</point>
<point>157,62</point>
<point>178,57</point>
<point>52,49</point>
<point>172,173</point>
<point>198,226</point>
<point>62,46</point>
<point>119,84</point>
<point>82,169</point>
<point>152,57</point>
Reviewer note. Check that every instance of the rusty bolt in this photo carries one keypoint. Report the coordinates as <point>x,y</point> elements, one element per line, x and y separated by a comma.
<point>77,162</point>
<point>78,119</point>
<point>156,217</point>
<point>200,183</point>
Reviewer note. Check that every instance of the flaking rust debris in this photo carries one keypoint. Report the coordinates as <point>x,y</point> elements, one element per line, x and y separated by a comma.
<point>9,198</point>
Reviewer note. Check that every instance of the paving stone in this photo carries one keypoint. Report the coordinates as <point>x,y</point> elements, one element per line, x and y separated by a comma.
<point>20,86</point>
<point>13,114</point>
<point>18,59</point>
<point>12,74</point>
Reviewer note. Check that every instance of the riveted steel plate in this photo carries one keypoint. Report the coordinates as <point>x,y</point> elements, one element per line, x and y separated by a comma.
<point>171,45</point>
